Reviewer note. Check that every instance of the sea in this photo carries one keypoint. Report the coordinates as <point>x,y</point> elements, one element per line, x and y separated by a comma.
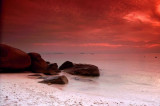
<point>133,77</point>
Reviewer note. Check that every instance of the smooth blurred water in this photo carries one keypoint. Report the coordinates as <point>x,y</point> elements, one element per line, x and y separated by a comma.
<point>126,76</point>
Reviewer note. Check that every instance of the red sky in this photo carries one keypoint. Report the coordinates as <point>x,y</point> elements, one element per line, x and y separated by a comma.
<point>101,26</point>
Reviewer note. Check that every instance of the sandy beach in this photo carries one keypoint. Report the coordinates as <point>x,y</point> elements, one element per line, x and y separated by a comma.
<point>80,53</point>
<point>18,89</point>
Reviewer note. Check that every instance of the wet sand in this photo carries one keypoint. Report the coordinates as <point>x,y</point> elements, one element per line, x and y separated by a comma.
<point>20,90</point>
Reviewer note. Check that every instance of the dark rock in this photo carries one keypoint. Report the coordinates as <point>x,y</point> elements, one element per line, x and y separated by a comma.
<point>9,70</point>
<point>52,69</point>
<point>55,80</point>
<point>49,73</point>
<point>42,77</point>
<point>45,77</point>
<point>37,75</point>
<point>53,66</point>
<point>33,76</point>
<point>13,58</point>
<point>48,62</point>
<point>38,65</point>
<point>83,69</point>
<point>66,65</point>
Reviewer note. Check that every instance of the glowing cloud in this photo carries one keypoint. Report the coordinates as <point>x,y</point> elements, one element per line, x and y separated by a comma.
<point>141,17</point>
<point>158,8</point>
<point>153,45</point>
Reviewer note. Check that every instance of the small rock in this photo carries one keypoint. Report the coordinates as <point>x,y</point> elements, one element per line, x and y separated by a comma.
<point>52,69</point>
<point>55,80</point>
<point>43,77</point>
<point>35,75</point>
<point>48,62</point>
<point>66,65</point>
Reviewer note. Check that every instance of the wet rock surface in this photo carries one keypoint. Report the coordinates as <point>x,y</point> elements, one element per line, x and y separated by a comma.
<point>55,80</point>
<point>83,69</point>
<point>13,58</point>
<point>52,69</point>
<point>38,65</point>
<point>66,65</point>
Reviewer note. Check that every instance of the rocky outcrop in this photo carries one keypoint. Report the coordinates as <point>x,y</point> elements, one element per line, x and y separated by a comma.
<point>83,69</point>
<point>13,58</point>
<point>66,65</point>
<point>38,65</point>
<point>55,80</point>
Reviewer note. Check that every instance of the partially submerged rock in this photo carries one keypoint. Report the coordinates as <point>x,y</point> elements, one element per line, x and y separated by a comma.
<point>52,69</point>
<point>42,77</point>
<point>55,80</point>
<point>38,65</point>
<point>83,69</point>
<point>66,65</point>
<point>13,58</point>
<point>48,62</point>
<point>36,75</point>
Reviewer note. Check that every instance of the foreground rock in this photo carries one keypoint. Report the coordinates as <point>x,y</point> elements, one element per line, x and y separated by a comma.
<point>13,58</point>
<point>55,80</point>
<point>83,69</point>
<point>38,65</point>
<point>66,65</point>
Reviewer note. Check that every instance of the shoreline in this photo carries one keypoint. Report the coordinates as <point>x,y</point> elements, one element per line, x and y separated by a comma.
<point>18,89</point>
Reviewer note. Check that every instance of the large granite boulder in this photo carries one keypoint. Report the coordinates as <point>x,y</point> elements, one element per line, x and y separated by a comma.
<point>38,65</point>
<point>84,70</point>
<point>66,65</point>
<point>52,69</point>
<point>55,80</point>
<point>13,58</point>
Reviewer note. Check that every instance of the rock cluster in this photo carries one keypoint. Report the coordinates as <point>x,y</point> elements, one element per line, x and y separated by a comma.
<point>13,59</point>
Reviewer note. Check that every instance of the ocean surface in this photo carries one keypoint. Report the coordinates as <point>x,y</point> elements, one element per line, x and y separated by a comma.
<point>133,77</point>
